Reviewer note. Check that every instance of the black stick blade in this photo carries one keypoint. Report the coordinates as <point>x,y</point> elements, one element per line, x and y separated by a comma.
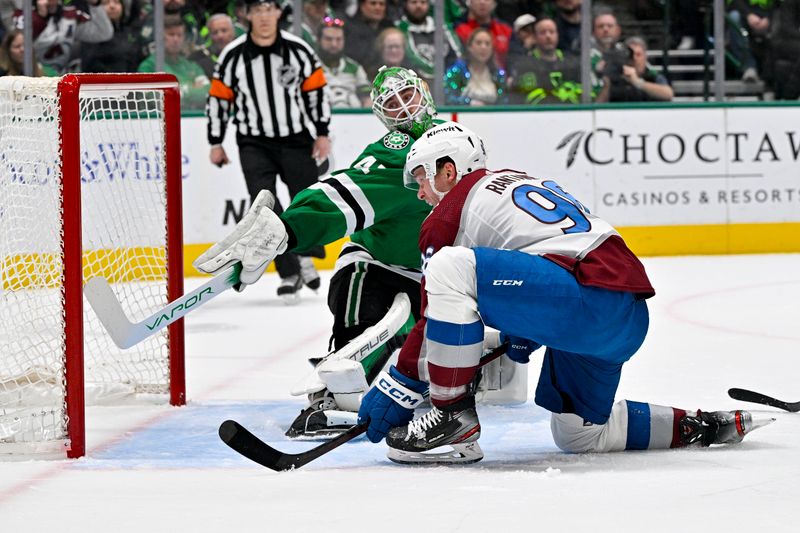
<point>242,441</point>
<point>756,397</point>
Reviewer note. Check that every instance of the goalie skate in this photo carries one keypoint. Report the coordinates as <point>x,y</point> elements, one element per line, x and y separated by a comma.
<point>447,435</point>
<point>321,419</point>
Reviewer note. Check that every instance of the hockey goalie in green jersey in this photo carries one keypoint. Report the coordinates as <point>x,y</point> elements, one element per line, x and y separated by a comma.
<point>379,264</point>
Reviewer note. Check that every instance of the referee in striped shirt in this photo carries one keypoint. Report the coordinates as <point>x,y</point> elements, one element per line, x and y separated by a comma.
<point>271,84</point>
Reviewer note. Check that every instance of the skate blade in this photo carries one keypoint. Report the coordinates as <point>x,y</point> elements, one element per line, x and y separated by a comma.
<point>760,422</point>
<point>325,434</point>
<point>290,299</point>
<point>458,454</point>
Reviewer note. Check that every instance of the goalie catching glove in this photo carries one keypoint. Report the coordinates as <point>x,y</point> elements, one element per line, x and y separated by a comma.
<point>256,240</point>
<point>390,403</point>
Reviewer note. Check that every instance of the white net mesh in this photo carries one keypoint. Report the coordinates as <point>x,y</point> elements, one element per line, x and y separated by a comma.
<point>123,217</point>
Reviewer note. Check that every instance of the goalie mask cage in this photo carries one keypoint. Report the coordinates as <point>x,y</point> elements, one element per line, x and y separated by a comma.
<point>90,170</point>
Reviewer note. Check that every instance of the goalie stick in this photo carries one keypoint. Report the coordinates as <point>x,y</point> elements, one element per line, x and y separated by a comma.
<point>240,440</point>
<point>125,333</point>
<point>756,397</point>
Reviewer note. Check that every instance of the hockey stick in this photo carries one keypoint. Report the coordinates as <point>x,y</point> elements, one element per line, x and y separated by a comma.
<point>125,333</point>
<point>756,397</point>
<point>240,440</point>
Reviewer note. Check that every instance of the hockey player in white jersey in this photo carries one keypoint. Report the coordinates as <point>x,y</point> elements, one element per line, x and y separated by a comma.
<point>374,292</point>
<point>521,255</point>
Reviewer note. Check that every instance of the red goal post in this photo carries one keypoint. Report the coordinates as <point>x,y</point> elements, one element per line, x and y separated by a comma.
<point>90,184</point>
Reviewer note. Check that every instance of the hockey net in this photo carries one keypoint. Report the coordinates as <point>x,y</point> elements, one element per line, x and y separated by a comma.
<point>89,186</point>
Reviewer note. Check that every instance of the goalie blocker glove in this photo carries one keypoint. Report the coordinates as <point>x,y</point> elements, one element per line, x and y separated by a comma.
<point>390,403</point>
<point>256,240</point>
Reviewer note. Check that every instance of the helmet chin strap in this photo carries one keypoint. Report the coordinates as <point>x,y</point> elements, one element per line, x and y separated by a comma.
<point>439,194</point>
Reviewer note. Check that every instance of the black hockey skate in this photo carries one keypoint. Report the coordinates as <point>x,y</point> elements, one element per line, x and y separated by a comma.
<point>455,425</point>
<point>321,419</point>
<point>718,427</point>
<point>308,273</point>
<point>289,289</point>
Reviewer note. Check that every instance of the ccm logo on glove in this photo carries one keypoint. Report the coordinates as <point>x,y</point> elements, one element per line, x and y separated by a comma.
<point>402,396</point>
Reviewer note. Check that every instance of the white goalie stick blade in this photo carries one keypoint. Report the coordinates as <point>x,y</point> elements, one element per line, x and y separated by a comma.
<point>362,345</point>
<point>451,454</point>
<point>125,333</point>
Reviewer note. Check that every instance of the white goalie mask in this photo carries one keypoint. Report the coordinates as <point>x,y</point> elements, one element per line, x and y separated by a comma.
<point>402,101</point>
<point>448,139</point>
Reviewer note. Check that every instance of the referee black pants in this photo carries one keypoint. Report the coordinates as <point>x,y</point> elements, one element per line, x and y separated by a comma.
<point>263,159</point>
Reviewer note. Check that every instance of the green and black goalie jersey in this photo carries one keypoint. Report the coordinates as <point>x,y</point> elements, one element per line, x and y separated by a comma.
<point>369,203</point>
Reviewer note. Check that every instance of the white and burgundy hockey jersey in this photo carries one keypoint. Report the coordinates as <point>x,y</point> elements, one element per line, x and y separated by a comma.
<point>509,210</point>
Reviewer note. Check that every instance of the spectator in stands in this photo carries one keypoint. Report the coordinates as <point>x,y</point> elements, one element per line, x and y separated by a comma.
<point>608,53</point>
<point>221,31</point>
<point>8,10</point>
<point>190,11</point>
<point>475,80</point>
<point>481,14</point>
<point>606,31</point>
<point>58,29</point>
<point>314,11</point>
<point>361,31</point>
<point>756,17</point>
<point>343,8</point>
<point>12,54</point>
<point>513,9</point>
<point>391,47</point>
<point>240,15</point>
<point>121,53</point>
<point>193,81</point>
<point>546,75</point>
<point>786,50</point>
<point>688,31</point>
<point>394,10</point>
<point>525,31</point>
<point>420,29</point>
<point>347,81</point>
<point>568,23</point>
<point>738,48</point>
<point>637,81</point>
<point>522,41</point>
<point>455,11</point>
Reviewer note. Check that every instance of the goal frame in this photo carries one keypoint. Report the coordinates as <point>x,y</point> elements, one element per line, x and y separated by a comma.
<point>69,89</point>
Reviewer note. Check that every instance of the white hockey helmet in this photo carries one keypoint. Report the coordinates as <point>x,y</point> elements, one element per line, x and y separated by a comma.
<point>449,139</point>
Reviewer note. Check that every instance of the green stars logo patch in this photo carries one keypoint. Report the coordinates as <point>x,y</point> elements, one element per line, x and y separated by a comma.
<point>396,140</point>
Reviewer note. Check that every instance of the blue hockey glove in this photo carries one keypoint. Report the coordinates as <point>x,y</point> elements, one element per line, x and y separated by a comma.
<point>390,403</point>
<point>519,349</point>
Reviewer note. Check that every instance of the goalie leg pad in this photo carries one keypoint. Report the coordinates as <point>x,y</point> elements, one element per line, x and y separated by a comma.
<point>345,379</point>
<point>503,382</point>
<point>372,349</point>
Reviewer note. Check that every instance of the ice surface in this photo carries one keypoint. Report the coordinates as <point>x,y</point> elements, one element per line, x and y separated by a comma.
<point>716,322</point>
